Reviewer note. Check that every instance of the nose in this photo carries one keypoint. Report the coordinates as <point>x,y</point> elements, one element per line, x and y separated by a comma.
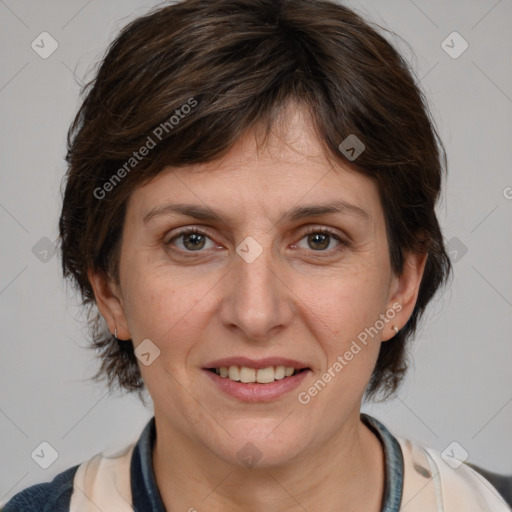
<point>257,299</point>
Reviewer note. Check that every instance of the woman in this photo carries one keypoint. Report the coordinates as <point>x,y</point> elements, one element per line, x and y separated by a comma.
<point>250,207</point>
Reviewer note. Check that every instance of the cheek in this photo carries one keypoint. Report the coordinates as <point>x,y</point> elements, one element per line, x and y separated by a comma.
<point>343,303</point>
<point>164,305</point>
<point>341,312</point>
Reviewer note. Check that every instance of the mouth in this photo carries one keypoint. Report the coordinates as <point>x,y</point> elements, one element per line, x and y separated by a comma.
<point>248,375</point>
<point>251,380</point>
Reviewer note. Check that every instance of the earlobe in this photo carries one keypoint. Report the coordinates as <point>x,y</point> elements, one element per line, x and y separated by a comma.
<point>109,303</point>
<point>405,293</point>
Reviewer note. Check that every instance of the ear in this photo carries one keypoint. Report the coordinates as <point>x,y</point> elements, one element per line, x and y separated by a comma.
<point>404,291</point>
<point>109,302</point>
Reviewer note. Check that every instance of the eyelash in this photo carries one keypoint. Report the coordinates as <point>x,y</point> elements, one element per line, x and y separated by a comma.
<point>343,244</point>
<point>311,230</point>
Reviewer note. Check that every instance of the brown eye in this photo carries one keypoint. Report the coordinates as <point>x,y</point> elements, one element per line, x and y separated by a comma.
<point>191,240</point>
<point>319,241</point>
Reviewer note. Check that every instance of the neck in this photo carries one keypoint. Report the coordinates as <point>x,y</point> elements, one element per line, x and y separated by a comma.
<point>345,473</point>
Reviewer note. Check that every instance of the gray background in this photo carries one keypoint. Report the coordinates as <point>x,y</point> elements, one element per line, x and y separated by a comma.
<point>460,386</point>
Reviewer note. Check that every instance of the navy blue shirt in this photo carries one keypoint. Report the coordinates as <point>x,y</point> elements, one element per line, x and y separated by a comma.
<point>55,496</point>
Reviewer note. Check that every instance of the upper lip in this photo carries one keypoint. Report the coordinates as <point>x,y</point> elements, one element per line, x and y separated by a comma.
<point>256,363</point>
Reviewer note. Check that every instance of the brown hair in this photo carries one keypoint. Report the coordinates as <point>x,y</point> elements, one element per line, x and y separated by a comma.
<point>236,63</point>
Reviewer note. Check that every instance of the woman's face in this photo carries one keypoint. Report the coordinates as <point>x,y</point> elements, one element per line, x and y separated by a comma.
<point>269,281</point>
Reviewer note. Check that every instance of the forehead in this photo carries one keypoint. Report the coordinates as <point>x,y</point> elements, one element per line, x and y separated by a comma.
<point>288,168</point>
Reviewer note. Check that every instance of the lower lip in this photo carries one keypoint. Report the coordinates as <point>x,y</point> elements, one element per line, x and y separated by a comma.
<point>254,392</point>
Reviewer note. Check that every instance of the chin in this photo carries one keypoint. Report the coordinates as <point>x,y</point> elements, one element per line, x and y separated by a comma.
<point>262,445</point>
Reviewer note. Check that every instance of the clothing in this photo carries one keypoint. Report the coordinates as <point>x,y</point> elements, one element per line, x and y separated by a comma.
<point>417,480</point>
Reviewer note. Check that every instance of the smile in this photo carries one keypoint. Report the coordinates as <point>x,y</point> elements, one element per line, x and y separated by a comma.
<point>256,380</point>
<point>252,375</point>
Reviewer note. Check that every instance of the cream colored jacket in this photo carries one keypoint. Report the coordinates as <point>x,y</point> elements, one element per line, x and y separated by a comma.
<point>430,484</point>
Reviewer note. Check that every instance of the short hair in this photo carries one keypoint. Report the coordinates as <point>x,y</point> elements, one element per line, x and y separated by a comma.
<point>235,64</point>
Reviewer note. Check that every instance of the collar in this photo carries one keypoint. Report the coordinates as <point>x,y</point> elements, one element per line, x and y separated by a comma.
<point>146,497</point>
<point>394,464</point>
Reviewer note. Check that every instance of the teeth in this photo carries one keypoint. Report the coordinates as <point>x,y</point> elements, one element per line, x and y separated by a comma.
<point>262,375</point>
<point>265,375</point>
<point>234,373</point>
<point>279,372</point>
<point>247,374</point>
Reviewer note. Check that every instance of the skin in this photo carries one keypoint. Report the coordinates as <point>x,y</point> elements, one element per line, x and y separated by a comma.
<point>299,299</point>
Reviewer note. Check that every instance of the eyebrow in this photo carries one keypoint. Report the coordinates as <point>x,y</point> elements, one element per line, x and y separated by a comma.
<point>201,212</point>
